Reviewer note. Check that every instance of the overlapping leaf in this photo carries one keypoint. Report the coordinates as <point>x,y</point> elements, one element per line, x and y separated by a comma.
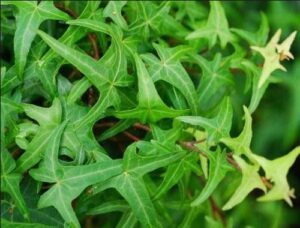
<point>241,144</point>
<point>276,170</point>
<point>130,182</point>
<point>216,27</point>
<point>10,181</point>
<point>169,69</point>
<point>30,16</point>
<point>218,167</point>
<point>215,81</point>
<point>250,181</point>
<point>150,108</point>
<point>217,127</point>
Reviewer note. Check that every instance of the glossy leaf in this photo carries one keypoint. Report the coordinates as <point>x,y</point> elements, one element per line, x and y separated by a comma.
<point>169,69</point>
<point>31,15</point>
<point>10,181</point>
<point>250,181</point>
<point>151,107</point>
<point>276,170</point>
<point>217,127</point>
<point>216,27</point>
<point>241,144</point>
<point>218,167</point>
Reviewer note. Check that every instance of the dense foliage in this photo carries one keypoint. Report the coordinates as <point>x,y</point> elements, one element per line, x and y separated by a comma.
<point>129,114</point>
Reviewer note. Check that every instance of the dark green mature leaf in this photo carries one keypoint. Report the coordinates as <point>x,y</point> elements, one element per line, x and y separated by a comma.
<point>169,69</point>
<point>10,181</point>
<point>175,172</point>
<point>30,16</point>
<point>218,167</point>
<point>119,205</point>
<point>216,27</point>
<point>258,38</point>
<point>150,19</point>
<point>215,81</point>
<point>65,178</point>
<point>6,223</point>
<point>150,108</point>
<point>217,127</point>
<point>130,182</point>
<point>48,119</point>
<point>113,11</point>
<point>95,114</point>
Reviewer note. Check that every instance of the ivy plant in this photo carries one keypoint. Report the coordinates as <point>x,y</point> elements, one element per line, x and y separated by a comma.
<point>135,114</point>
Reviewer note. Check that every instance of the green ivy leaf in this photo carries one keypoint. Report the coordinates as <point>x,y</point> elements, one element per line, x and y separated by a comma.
<point>276,170</point>
<point>241,144</point>
<point>67,177</point>
<point>218,167</point>
<point>48,119</point>
<point>250,180</point>
<point>217,127</point>
<point>113,11</point>
<point>151,107</point>
<point>169,69</point>
<point>10,181</point>
<point>273,53</point>
<point>216,26</point>
<point>216,79</point>
<point>135,192</point>
<point>30,16</point>
<point>257,38</point>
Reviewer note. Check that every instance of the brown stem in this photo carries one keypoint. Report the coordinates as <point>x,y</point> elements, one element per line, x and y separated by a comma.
<point>67,10</point>
<point>266,182</point>
<point>131,136</point>
<point>217,212</point>
<point>93,40</point>
<point>190,145</point>
<point>105,124</point>
<point>16,153</point>
<point>142,126</point>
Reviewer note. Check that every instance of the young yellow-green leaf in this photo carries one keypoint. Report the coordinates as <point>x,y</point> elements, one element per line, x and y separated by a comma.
<point>276,170</point>
<point>216,27</point>
<point>284,48</point>
<point>150,108</point>
<point>273,53</point>
<point>168,68</point>
<point>218,167</point>
<point>254,72</point>
<point>10,181</point>
<point>250,180</point>
<point>217,127</point>
<point>241,144</point>
<point>29,18</point>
